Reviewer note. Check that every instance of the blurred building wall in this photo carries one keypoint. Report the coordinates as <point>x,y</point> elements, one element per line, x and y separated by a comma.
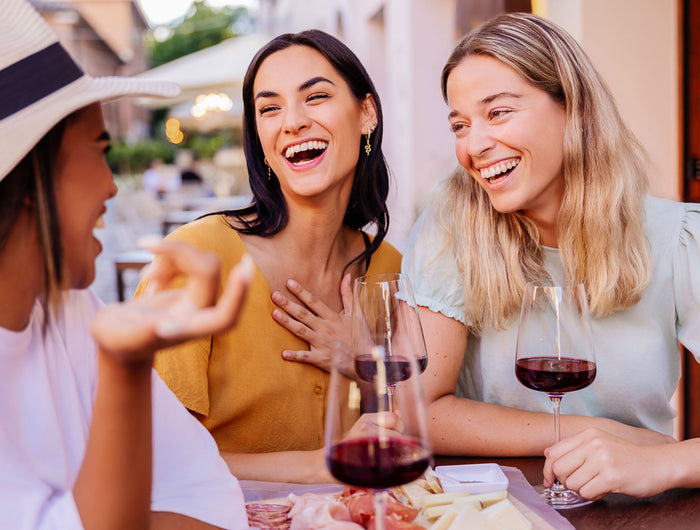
<point>105,38</point>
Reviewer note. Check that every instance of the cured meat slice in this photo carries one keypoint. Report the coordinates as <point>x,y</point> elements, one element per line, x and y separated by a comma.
<point>268,516</point>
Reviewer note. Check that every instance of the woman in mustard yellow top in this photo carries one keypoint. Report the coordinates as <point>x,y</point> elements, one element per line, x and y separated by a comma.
<point>312,138</point>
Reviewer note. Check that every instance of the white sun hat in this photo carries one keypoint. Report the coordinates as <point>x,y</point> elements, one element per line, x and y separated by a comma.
<point>40,84</point>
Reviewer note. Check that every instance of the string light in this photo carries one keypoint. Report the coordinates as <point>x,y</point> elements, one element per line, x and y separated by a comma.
<point>207,103</point>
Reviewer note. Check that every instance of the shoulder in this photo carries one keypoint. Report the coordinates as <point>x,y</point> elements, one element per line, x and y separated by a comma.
<point>212,233</point>
<point>667,221</point>
<point>385,259</point>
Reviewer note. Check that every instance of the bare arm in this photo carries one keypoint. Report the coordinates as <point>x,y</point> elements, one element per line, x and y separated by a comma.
<point>595,463</point>
<point>465,427</point>
<point>301,467</point>
<point>113,488</point>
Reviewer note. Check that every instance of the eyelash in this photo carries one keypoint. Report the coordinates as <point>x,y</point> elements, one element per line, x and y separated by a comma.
<point>314,97</point>
<point>309,99</point>
<point>497,113</point>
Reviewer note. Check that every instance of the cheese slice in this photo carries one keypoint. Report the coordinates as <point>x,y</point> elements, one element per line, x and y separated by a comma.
<point>445,520</point>
<point>506,515</point>
<point>433,512</point>
<point>470,517</point>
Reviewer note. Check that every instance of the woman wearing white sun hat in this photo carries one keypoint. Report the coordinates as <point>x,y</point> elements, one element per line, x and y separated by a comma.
<point>74,453</point>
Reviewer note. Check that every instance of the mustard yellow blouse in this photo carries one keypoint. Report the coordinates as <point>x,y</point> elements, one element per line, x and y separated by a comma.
<point>237,383</point>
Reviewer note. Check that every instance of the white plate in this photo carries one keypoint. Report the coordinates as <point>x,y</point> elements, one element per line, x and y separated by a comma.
<point>474,478</point>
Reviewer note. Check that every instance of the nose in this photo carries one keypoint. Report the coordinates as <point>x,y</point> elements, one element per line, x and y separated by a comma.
<point>295,119</point>
<point>479,141</point>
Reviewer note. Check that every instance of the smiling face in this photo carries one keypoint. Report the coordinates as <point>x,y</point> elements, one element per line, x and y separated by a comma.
<point>510,136</point>
<point>309,123</point>
<point>83,184</point>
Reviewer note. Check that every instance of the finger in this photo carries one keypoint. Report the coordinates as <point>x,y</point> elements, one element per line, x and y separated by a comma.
<point>301,356</point>
<point>346,294</point>
<point>296,311</point>
<point>298,328</point>
<point>214,319</point>
<point>201,269</point>
<point>313,303</point>
<point>566,445</point>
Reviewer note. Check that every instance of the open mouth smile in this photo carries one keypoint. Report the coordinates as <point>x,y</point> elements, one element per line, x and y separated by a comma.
<point>499,171</point>
<point>306,152</point>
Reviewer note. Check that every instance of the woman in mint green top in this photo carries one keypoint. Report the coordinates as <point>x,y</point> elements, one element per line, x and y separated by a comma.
<point>552,184</point>
<point>636,349</point>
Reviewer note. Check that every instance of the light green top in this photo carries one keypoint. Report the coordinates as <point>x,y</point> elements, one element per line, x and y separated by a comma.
<point>637,353</point>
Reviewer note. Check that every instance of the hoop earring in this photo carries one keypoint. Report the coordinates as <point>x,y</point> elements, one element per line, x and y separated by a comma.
<point>268,169</point>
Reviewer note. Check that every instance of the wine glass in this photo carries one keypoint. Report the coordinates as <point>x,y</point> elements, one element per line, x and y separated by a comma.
<point>385,323</point>
<point>555,354</point>
<point>372,441</point>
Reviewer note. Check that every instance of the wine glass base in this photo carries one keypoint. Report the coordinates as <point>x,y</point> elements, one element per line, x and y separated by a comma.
<point>563,499</point>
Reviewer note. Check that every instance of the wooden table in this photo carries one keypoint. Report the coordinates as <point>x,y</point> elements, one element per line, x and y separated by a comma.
<point>671,510</point>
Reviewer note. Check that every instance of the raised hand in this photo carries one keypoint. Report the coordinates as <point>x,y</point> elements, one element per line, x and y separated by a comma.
<point>132,331</point>
<point>595,462</point>
<point>326,331</point>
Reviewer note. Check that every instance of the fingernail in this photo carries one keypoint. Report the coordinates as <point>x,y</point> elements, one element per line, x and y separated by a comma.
<point>149,241</point>
<point>292,284</point>
<point>167,329</point>
<point>246,268</point>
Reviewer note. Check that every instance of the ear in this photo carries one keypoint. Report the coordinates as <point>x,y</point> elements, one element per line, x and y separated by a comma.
<point>369,114</point>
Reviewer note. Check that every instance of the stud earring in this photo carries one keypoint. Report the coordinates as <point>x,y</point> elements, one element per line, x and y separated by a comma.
<point>268,169</point>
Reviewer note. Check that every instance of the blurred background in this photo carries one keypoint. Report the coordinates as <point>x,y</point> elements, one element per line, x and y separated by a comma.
<point>174,159</point>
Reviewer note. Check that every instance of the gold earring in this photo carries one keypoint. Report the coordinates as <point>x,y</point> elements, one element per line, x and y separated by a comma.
<point>268,169</point>
<point>368,146</point>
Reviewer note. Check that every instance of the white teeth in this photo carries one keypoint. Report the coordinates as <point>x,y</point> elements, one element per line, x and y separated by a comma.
<point>497,169</point>
<point>100,222</point>
<point>313,144</point>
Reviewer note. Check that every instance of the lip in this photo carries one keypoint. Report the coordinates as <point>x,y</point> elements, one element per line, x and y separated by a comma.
<point>504,180</point>
<point>309,165</point>
<point>303,141</point>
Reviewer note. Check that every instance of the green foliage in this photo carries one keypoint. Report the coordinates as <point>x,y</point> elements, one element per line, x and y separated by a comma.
<point>202,27</point>
<point>130,158</point>
<point>204,146</point>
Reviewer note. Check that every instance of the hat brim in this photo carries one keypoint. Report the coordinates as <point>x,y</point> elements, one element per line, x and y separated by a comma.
<point>24,129</point>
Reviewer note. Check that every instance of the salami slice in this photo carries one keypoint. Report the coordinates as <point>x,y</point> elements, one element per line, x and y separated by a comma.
<point>268,516</point>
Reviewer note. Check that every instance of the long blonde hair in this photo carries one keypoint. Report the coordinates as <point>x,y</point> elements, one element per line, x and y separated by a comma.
<point>601,219</point>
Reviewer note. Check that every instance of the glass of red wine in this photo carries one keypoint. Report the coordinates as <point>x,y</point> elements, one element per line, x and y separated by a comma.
<point>555,355</point>
<point>386,327</point>
<point>367,443</point>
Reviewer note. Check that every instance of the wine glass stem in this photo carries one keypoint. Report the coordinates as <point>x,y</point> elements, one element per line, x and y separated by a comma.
<point>390,397</point>
<point>380,498</point>
<point>556,402</point>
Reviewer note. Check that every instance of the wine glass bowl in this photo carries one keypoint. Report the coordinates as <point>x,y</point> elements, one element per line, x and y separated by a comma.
<point>385,323</point>
<point>376,433</point>
<point>555,354</point>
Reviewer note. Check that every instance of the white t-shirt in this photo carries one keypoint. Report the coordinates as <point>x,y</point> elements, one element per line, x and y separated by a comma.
<point>637,353</point>
<point>47,390</point>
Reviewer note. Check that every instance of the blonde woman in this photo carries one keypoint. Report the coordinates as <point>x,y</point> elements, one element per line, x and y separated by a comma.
<point>553,185</point>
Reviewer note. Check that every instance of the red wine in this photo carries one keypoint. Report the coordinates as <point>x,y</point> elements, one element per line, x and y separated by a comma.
<point>555,376</point>
<point>371,463</point>
<point>422,363</point>
<point>397,367</point>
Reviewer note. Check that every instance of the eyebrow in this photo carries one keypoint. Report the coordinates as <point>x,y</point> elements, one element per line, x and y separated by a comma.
<point>490,99</point>
<point>304,86</point>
